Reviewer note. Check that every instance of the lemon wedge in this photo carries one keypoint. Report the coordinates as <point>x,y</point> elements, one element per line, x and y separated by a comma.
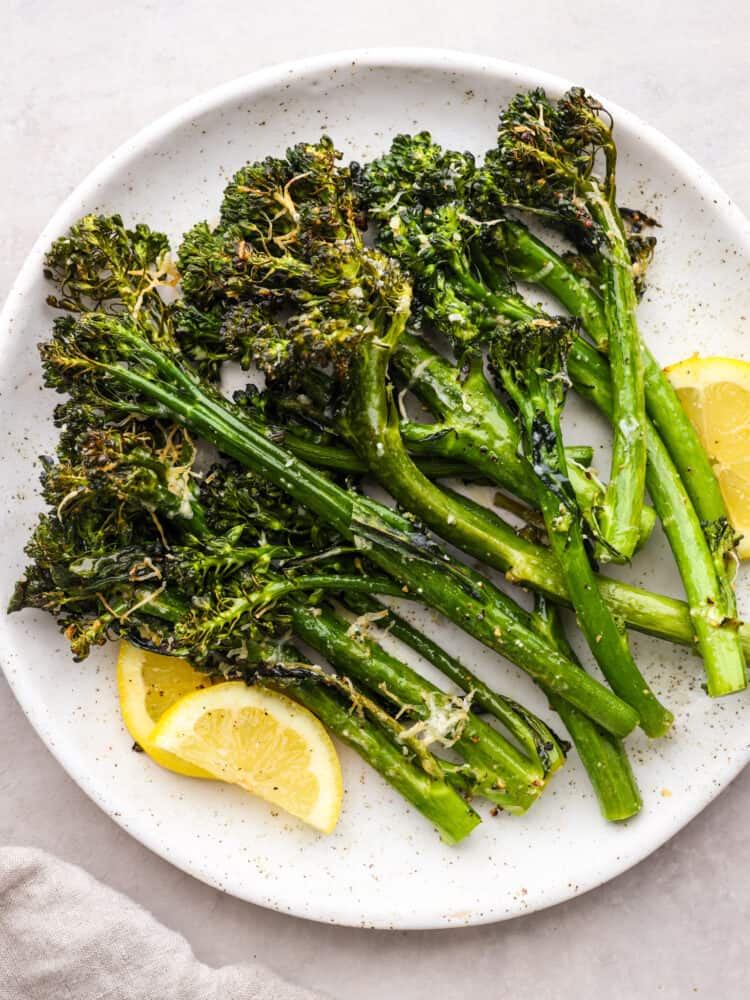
<point>715,393</point>
<point>262,741</point>
<point>149,684</point>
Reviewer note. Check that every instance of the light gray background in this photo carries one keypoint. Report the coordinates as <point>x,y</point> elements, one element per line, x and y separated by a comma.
<point>76,79</point>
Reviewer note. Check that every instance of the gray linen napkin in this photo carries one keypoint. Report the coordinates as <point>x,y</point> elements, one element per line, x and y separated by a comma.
<point>65,936</point>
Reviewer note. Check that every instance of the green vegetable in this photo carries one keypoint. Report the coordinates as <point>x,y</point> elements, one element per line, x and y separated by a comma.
<point>499,771</point>
<point>433,797</point>
<point>679,476</point>
<point>547,157</point>
<point>603,756</point>
<point>531,366</point>
<point>537,739</point>
<point>472,426</point>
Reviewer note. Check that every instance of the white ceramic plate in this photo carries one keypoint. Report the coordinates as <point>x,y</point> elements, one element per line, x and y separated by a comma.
<point>383,866</point>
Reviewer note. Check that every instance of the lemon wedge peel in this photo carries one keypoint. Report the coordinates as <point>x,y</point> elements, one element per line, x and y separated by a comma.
<point>715,394</point>
<point>148,684</point>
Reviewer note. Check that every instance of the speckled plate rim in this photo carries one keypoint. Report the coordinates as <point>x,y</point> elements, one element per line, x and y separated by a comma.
<point>245,87</point>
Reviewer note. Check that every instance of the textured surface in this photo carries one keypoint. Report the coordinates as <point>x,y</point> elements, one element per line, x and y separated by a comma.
<point>676,952</point>
<point>62,933</point>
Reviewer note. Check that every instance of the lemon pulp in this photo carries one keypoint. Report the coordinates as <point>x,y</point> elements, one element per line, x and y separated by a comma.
<point>260,740</point>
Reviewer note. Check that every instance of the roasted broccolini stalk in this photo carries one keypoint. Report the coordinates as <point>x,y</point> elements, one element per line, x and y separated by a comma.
<point>604,757</point>
<point>558,158</point>
<point>530,364</point>
<point>679,476</point>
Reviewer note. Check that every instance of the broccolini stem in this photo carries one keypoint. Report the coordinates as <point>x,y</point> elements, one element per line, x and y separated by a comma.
<point>532,260</point>
<point>432,465</point>
<point>530,367</point>
<point>603,756</point>
<point>590,491</point>
<point>608,645</point>
<point>278,589</point>
<point>331,456</point>
<point>475,427</point>
<point>532,733</point>
<point>620,512</point>
<point>502,774</point>
<point>434,798</point>
<point>370,424</point>
<point>683,444</point>
<point>459,399</point>
<point>680,479</point>
<point>531,565</point>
